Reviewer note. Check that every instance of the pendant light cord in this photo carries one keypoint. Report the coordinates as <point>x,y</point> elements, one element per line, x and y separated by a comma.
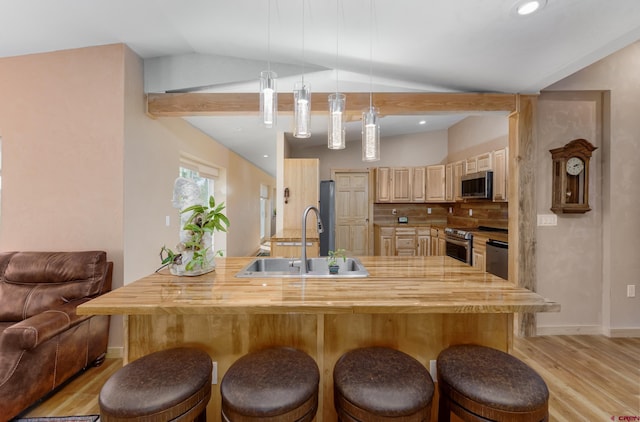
<point>370,54</point>
<point>303,42</point>
<point>337,30</point>
<point>269,36</point>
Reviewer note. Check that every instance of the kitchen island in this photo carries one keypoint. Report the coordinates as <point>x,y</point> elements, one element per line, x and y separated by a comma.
<point>419,305</point>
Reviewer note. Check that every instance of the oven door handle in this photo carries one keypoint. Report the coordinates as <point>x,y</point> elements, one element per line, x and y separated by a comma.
<point>464,243</point>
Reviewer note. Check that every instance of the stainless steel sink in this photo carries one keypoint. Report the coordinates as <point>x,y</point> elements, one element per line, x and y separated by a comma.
<point>290,267</point>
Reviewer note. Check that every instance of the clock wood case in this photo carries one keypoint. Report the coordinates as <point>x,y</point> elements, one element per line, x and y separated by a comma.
<point>570,180</point>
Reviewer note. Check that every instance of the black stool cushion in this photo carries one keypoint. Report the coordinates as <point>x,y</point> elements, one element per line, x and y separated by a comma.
<point>270,382</point>
<point>383,381</point>
<point>167,384</point>
<point>492,377</point>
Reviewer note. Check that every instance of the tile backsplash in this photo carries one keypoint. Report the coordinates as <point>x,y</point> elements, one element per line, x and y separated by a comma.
<point>483,213</point>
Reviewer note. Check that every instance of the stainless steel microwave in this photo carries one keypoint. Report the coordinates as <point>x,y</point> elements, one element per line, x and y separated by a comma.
<point>478,185</point>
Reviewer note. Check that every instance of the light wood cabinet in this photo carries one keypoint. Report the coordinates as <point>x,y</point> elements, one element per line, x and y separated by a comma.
<point>479,253</point>
<point>501,174</point>
<point>484,162</point>
<point>458,172</point>
<point>384,241</point>
<point>401,184</point>
<point>448,180</point>
<point>383,184</point>
<point>405,241</point>
<point>438,243</point>
<point>288,249</point>
<point>471,165</point>
<point>418,184</point>
<point>302,185</point>
<point>424,242</point>
<point>436,183</point>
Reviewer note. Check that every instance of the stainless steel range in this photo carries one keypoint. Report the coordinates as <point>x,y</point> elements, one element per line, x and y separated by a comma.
<point>459,244</point>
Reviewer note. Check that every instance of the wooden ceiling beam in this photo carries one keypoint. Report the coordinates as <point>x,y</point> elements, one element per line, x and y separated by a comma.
<point>229,104</point>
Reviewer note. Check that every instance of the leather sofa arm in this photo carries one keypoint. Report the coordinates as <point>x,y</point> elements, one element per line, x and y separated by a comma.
<point>29,333</point>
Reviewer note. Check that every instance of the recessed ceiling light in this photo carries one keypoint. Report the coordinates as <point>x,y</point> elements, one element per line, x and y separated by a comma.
<point>266,156</point>
<point>422,122</point>
<point>527,7</point>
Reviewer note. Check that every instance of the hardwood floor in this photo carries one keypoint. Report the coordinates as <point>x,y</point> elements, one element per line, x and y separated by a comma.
<point>590,378</point>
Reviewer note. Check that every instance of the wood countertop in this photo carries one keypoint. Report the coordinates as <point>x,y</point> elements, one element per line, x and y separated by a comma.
<point>434,284</point>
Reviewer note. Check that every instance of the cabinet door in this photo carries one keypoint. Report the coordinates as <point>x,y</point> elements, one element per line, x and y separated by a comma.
<point>471,165</point>
<point>293,249</point>
<point>442,246</point>
<point>418,184</point>
<point>449,182</point>
<point>500,175</point>
<point>435,183</point>
<point>401,184</point>
<point>479,260</point>
<point>458,172</point>
<point>424,242</point>
<point>384,241</point>
<point>301,178</point>
<point>383,184</point>
<point>484,162</point>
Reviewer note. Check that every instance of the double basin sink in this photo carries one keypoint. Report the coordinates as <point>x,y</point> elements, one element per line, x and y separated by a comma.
<point>290,267</point>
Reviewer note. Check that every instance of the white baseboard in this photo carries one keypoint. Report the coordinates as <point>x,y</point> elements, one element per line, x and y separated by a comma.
<point>593,330</point>
<point>565,330</point>
<point>624,332</point>
<point>115,352</point>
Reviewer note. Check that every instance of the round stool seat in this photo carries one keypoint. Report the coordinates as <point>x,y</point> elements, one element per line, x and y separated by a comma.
<point>278,383</point>
<point>376,383</point>
<point>168,385</point>
<point>491,383</point>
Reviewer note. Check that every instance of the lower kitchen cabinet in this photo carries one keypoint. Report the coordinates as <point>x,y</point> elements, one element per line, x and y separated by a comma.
<point>405,241</point>
<point>479,253</point>
<point>438,242</point>
<point>424,242</point>
<point>384,240</point>
<point>290,249</point>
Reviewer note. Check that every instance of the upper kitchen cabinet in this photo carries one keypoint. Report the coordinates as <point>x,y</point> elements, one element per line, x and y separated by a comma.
<point>400,184</point>
<point>453,180</point>
<point>436,183</point>
<point>301,189</point>
<point>501,174</point>
<point>383,184</point>
<point>484,162</point>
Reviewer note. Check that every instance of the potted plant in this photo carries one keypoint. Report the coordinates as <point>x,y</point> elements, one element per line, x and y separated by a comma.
<point>195,254</point>
<point>333,260</point>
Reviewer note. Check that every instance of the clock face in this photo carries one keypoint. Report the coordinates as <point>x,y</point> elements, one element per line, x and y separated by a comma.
<point>575,166</point>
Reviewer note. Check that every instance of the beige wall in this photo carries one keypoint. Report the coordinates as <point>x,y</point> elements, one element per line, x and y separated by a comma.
<point>85,168</point>
<point>408,150</point>
<point>615,222</point>
<point>477,135</point>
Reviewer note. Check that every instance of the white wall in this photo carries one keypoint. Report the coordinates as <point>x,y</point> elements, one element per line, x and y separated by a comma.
<point>409,150</point>
<point>620,200</point>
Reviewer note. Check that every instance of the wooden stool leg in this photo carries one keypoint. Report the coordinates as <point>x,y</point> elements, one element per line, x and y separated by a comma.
<point>444,411</point>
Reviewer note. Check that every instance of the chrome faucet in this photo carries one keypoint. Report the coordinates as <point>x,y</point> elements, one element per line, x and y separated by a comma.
<point>303,256</point>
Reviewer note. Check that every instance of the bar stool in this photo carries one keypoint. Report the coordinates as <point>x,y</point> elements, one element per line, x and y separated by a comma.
<point>169,385</point>
<point>478,383</point>
<point>381,384</point>
<point>275,384</point>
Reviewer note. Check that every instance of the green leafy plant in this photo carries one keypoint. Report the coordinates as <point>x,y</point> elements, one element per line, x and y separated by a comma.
<point>203,219</point>
<point>334,256</point>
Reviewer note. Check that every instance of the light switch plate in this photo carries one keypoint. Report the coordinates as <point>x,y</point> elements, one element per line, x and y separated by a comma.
<point>547,220</point>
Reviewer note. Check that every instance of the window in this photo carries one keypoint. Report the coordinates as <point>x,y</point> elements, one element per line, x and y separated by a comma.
<point>206,177</point>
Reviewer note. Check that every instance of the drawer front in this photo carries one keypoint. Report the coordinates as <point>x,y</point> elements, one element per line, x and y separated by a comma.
<point>405,242</point>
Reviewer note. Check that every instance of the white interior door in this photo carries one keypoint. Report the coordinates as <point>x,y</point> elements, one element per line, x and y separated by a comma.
<point>352,212</point>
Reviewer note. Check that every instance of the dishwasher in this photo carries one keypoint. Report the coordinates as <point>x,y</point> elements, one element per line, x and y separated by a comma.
<point>497,258</point>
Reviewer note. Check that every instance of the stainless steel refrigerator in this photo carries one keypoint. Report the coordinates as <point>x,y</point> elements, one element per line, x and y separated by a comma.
<point>327,207</point>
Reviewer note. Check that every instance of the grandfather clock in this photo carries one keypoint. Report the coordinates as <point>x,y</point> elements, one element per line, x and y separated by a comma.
<point>570,185</point>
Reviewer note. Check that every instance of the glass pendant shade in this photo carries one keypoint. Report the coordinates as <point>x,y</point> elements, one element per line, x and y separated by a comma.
<point>370,135</point>
<point>336,138</point>
<point>301,110</point>
<point>268,98</point>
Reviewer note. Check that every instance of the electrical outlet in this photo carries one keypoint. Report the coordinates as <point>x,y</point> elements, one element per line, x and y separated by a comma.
<point>450,210</point>
<point>433,370</point>
<point>214,372</point>
<point>470,213</point>
<point>394,211</point>
<point>428,210</point>
<point>631,290</point>
<point>167,221</point>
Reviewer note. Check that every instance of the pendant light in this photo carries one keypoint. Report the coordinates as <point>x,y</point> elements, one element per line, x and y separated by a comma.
<point>302,100</point>
<point>370,123</point>
<point>337,103</point>
<point>268,91</point>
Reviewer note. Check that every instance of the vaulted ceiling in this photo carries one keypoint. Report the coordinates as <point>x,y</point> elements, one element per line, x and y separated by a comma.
<point>348,45</point>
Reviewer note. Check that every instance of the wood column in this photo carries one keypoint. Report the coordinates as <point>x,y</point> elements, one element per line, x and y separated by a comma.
<point>522,211</point>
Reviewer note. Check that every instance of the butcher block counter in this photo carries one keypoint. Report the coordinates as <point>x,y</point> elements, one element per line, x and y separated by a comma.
<point>419,305</point>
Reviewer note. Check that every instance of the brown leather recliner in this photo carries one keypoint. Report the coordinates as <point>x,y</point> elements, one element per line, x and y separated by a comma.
<point>43,342</point>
